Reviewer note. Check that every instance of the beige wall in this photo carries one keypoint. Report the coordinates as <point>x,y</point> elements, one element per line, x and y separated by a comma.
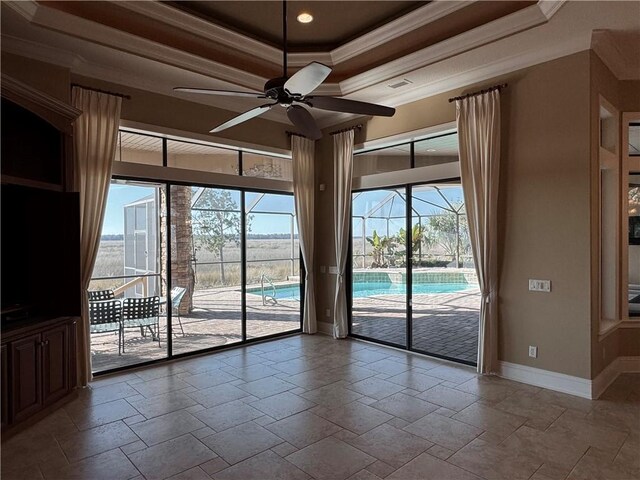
<point>544,204</point>
<point>544,209</point>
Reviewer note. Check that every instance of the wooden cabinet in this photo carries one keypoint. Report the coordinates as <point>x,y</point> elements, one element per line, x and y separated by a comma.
<point>38,361</point>
<point>55,364</point>
<point>26,377</point>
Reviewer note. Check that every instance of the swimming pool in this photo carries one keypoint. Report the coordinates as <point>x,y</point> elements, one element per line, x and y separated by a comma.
<point>367,289</point>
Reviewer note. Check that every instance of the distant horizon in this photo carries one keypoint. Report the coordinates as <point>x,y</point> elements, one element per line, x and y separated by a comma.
<point>121,195</point>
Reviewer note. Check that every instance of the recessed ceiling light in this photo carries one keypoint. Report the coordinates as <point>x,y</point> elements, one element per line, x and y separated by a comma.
<point>305,17</point>
<point>431,150</point>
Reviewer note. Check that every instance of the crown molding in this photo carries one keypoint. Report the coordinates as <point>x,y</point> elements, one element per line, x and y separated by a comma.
<point>41,52</point>
<point>52,19</point>
<point>490,32</point>
<point>390,31</point>
<point>58,113</point>
<point>487,71</point>
<point>550,7</point>
<point>27,9</point>
<point>418,18</point>
<point>190,23</point>
<point>605,46</point>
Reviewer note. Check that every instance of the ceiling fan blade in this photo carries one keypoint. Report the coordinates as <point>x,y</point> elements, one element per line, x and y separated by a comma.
<point>243,117</point>
<point>210,91</point>
<point>350,106</point>
<point>307,79</point>
<point>303,121</point>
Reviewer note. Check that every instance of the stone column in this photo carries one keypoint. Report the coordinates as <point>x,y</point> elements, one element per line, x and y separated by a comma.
<point>182,274</point>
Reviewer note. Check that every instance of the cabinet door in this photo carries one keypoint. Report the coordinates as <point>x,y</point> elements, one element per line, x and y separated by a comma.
<point>55,364</point>
<point>26,381</point>
<point>5,386</point>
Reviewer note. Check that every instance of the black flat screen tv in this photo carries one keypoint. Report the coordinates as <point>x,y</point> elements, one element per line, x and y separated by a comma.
<point>40,251</point>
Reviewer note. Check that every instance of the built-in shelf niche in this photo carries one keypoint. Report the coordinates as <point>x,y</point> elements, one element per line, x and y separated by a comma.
<point>609,206</point>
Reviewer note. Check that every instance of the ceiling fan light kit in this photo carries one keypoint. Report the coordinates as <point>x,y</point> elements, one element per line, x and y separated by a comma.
<point>293,92</point>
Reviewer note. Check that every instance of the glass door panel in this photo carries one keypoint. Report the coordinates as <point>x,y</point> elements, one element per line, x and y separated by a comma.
<point>445,293</point>
<point>378,280</point>
<point>272,264</point>
<point>130,266</point>
<point>206,273</point>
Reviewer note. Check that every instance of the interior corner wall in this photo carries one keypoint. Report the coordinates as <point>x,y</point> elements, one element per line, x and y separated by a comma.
<point>543,208</point>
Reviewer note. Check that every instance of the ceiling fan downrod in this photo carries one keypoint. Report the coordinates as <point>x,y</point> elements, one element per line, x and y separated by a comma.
<point>284,38</point>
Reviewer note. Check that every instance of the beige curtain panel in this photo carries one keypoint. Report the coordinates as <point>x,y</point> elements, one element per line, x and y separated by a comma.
<point>478,120</point>
<point>342,176</point>
<point>303,193</point>
<point>95,137</point>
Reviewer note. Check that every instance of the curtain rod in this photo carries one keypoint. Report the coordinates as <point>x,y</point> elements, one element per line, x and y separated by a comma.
<point>355,127</point>
<point>116,94</point>
<point>290,134</point>
<point>479,92</point>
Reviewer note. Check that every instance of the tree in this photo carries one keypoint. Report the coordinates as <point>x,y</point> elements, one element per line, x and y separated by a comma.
<point>217,220</point>
<point>451,232</point>
<point>379,244</point>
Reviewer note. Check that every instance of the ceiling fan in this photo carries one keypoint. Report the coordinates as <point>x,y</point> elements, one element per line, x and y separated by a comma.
<point>289,92</point>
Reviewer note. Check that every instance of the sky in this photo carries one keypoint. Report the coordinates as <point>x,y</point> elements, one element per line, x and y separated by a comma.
<point>121,195</point>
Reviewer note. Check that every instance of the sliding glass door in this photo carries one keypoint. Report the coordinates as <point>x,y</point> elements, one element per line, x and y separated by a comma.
<point>214,267</point>
<point>273,264</point>
<point>413,282</point>
<point>378,279</point>
<point>130,265</point>
<point>445,295</point>
<point>206,267</point>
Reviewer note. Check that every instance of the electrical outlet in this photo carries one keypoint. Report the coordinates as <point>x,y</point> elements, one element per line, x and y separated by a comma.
<point>327,312</point>
<point>533,351</point>
<point>539,285</point>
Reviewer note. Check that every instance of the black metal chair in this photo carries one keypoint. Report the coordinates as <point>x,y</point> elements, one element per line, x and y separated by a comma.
<point>98,295</point>
<point>106,316</point>
<point>177,293</point>
<point>143,313</point>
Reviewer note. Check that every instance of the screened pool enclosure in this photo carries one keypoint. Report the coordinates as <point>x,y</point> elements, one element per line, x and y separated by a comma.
<point>413,282</point>
<point>232,257</point>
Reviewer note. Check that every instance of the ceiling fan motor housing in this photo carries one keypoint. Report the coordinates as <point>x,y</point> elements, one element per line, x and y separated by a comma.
<point>274,89</point>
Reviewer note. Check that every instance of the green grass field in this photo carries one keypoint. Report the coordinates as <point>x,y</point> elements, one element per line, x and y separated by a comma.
<point>262,255</point>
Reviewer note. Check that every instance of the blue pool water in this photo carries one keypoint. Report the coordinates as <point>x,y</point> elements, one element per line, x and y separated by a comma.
<point>367,289</point>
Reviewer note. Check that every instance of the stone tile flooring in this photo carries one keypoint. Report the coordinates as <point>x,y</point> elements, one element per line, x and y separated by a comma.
<point>310,407</point>
<point>443,323</point>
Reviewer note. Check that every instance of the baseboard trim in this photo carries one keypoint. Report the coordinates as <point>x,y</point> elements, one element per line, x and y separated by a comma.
<point>560,382</point>
<point>326,328</point>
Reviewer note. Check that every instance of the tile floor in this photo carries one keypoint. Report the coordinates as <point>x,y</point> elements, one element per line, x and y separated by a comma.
<point>308,407</point>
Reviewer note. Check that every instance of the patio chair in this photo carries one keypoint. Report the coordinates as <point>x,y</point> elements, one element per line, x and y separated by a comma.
<point>177,293</point>
<point>106,316</point>
<point>142,312</point>
<point>97,295</point>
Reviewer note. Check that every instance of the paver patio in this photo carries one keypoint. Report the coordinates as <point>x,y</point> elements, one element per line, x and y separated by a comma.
<point>444,324</point>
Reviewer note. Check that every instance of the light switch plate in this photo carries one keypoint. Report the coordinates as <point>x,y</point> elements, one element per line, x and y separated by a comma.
<point>533,351</point>
<point>333,270</point>
<point>539,285</point>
